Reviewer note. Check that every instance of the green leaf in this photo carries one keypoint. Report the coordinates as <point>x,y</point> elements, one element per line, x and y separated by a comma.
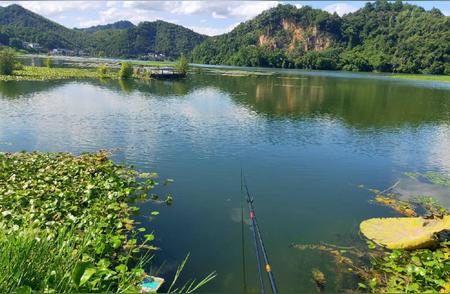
<point>361,285</point>
<point>149,237</point>
<point>116,242</point>
<point>121,268</point>
<point>154,213</point>
<point>79,271</point>
<point>373,283</point>
<point>88,272</point>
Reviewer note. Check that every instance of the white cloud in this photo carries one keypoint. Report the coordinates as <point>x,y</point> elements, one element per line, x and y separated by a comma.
<point>113,14</point>
<point>340,8</point>
<point>210,31</point>
<point>52,8</point>
<point>218,16</point>
<point>217,9</point>
<point>250,9</point>
<point>149,5</point>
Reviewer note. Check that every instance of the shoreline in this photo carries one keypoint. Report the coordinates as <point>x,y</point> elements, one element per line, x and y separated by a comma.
<point>93,62</point>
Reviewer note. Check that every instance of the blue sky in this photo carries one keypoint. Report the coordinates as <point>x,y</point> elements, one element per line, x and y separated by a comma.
<point>207,17</point>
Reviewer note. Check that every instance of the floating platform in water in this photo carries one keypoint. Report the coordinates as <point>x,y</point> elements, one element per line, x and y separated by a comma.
<point>162,73</point>
<point>151,284</point>
<point>168,76</point>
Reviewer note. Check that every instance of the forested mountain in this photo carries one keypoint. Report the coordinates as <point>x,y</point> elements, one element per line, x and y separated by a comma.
<point>18,24</point>
<point>156,37</point>
<point>120,39</point>
<point>383,36</point>
<point>119,25</point>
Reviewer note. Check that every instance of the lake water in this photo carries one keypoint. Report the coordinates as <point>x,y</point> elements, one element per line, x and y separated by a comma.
<point>305,141</point>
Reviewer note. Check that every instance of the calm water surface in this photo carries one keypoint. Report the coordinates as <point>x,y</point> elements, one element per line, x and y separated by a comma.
<point>305,140</point>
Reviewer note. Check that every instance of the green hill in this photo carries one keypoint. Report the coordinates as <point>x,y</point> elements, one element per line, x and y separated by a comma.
<point>382,36</point>
<point>119,25</point>
<point>18,24</point>
<point>147,37</point>
<point>121,39</point>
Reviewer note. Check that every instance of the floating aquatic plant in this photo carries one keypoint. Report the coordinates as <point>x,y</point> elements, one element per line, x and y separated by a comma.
<point>433,177</point>
<point>81,205</point>
<point>31,73</point>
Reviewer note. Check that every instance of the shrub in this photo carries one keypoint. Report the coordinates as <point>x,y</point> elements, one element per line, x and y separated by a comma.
<point>48,62</point>
<point>102,69</point>
<point>8,61</point>
<point>182,65</point>
<point>126,71</point>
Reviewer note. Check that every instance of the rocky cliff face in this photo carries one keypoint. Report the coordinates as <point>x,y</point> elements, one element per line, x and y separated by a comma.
<point>309,38</point>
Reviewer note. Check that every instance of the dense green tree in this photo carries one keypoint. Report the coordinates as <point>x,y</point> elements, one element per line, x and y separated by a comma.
<point>182,65</point>
<point>8,61</point>
<point>126,71</point>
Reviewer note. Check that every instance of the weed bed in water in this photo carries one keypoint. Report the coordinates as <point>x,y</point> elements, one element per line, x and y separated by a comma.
<point>65,223</point>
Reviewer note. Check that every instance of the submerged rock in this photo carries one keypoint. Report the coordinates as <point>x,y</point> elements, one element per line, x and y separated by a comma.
<point>319,279</point>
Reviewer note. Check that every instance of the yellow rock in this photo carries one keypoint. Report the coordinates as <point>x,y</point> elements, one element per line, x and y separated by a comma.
<point>404,232</point>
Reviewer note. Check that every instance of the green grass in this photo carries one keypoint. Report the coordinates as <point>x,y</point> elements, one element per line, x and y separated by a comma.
<point>28,261</point>
<point>437,78</point>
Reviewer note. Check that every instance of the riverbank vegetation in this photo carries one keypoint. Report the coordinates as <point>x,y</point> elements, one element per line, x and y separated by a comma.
<point>8,61</point>
<point>12,70</point>
<point>66,223</point>
<point>398,271</point>
<point>126,71</point>
<point>182,65</point>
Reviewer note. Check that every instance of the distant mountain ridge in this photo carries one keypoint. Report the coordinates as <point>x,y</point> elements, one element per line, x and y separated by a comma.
<point>119,39</point>
<point>119,25</point>
<point>382,36</point>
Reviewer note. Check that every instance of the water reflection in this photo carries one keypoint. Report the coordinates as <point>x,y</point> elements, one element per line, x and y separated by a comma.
<point>361,103</point>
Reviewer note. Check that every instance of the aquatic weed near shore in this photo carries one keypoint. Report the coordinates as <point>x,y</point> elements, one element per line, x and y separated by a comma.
<point>33,73</point>
<point>65,223</point>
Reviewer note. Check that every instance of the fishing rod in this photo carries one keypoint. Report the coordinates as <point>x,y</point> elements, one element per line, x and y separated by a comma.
<point>244,272</point>
<point>255,239</point>
<point>261,247</point>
